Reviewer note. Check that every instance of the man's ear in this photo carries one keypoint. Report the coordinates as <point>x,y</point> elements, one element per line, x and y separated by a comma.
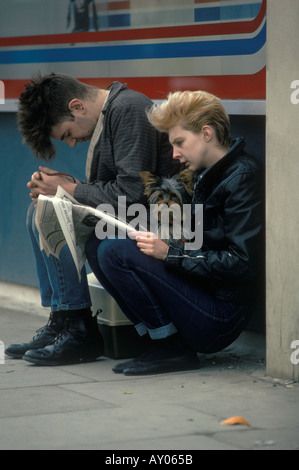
<point>76,106</point>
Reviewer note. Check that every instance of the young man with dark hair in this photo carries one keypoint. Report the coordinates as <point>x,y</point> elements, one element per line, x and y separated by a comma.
<point>122,144</point>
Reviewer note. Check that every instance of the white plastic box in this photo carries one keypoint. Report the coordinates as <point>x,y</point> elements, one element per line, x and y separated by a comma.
<point>121,340</point>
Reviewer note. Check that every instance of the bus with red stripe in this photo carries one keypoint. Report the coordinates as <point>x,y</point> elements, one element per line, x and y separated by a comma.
<point>154,46</point>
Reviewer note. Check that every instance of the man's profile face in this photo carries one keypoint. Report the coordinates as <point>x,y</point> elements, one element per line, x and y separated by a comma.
<point>74,131</point>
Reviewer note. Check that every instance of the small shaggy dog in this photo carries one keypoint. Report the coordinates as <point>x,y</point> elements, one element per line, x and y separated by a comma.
<point>162,193</point>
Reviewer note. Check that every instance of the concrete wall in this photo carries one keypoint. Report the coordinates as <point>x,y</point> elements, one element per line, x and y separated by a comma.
<point>282,186</point>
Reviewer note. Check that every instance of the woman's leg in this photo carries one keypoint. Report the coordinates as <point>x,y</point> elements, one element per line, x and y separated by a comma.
<point>97,252</point>
<point>92,249</point>
<point>162,303</point>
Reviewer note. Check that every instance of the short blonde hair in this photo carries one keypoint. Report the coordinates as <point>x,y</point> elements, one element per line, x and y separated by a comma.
<point>192,110</point>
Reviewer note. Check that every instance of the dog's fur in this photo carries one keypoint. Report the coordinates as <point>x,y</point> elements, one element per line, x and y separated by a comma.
<point>174,190</point>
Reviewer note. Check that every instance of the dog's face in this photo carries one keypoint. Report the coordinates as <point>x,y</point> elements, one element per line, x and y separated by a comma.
<point>162,193</point>
<point>162,190</point>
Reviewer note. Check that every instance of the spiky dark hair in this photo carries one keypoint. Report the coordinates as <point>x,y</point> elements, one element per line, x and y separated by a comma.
<point>44,104</point>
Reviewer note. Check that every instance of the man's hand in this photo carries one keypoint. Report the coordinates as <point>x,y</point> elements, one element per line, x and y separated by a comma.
<point>46,182</point>
<point>150,244</point>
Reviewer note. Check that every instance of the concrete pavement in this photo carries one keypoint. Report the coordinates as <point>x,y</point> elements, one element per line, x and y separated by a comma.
<point>89,407</point>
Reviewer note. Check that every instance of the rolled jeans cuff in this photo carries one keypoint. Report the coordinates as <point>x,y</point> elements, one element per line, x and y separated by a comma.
<point>156,333</point>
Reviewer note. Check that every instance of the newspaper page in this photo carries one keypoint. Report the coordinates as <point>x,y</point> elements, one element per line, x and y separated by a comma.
<point>61,220</point>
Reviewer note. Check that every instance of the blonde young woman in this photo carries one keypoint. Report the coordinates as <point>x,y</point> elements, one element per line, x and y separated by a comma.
<point>191,301</point>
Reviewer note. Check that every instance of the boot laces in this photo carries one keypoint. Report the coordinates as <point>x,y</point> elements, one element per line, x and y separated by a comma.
<point>44,328</point>
<point>66,331</point>
<point>63,333</point>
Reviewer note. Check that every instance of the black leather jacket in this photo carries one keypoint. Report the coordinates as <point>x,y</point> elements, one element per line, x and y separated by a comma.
<point>230,259</point>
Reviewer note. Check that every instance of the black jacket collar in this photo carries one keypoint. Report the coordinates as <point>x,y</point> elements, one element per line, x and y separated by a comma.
<point>225,162</point>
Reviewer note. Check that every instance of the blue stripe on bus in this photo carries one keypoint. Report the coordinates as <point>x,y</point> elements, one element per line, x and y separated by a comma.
<point>233,12</point>
<point>138,51</point>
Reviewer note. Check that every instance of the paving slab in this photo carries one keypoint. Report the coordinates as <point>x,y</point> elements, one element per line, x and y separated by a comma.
<point>88,407</point>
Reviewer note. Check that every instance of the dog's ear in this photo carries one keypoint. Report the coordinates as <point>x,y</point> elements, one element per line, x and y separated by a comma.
<point>150,181</point>
<point>186,177</point>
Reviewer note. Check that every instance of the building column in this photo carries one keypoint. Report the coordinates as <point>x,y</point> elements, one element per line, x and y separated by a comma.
<point>282,190</point>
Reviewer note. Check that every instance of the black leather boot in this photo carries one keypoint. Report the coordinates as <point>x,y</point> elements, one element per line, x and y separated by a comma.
<point>80,341</point>
<point>44,336</point>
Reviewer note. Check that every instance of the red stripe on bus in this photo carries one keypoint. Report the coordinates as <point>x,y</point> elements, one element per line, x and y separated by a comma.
<point>233,87</point>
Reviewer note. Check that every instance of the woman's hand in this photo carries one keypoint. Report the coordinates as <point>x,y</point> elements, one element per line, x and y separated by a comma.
<point>150,244</point>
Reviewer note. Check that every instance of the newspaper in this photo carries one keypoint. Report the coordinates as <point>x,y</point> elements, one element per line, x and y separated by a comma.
<point>61,220</point>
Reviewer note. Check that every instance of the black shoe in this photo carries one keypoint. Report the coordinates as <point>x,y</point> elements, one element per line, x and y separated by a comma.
<point>168,355</point>
<point>44,336</point>
<point>119,368</point>
<point>80,341</point>
<point>173,364</point>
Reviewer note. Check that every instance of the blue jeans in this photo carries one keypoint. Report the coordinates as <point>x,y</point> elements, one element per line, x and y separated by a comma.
<point>160,302</point>
<point>59,283</point>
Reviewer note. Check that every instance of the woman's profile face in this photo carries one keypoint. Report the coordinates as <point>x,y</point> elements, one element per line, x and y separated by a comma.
<point>190,148</point>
